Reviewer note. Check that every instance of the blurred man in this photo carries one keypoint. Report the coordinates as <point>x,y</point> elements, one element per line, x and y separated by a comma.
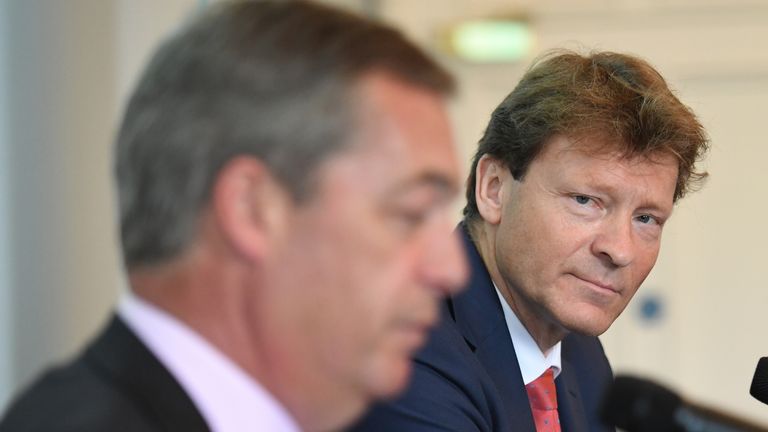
<point>571,185</point>
<point>284,172</point>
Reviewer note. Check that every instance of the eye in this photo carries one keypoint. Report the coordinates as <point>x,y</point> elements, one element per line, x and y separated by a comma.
<point>413,218</point>
<point>582,199</point>
<point>647,219</point>
<point>410,219</point>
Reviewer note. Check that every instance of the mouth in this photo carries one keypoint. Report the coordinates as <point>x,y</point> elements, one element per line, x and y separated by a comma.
<point>598,285</point>
<point>416,333</point>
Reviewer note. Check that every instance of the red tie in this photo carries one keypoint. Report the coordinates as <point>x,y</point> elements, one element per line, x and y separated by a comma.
<point>542,396</point>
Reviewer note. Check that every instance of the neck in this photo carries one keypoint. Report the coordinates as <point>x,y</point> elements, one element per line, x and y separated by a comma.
<point>223,304</point>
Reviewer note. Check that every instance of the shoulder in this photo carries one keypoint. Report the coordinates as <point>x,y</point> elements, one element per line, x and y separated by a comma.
<point>115,384</point>
<point>73,398</point>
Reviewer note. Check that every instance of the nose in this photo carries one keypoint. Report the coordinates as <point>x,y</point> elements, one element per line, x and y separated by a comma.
<point>614,243</point>
<point>444,267</point>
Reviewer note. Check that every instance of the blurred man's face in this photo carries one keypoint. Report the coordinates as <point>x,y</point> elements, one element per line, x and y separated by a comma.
<point>366,259</point>
<point>580,232</point>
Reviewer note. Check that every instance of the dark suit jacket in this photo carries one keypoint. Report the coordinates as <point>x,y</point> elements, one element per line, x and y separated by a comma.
<point>115,385</point>
<point>467,377</point>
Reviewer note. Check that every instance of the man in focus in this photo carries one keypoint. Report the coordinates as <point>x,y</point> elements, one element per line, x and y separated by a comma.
<point>570,188</point>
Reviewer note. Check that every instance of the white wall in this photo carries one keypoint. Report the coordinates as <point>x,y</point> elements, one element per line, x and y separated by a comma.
<point>6,310</point>
<point>66,67</point>
<point>60,100</point>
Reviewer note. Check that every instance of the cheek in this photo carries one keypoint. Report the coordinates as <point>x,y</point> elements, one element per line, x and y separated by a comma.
<point>361,281</point>
<point>544,245</point>
<point>371,348</point>
<point>370,292</point>
<point>646,259</point>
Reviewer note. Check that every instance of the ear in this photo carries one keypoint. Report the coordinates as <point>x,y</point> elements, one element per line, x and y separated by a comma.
<point>490,176</point>
<point>250,206</point>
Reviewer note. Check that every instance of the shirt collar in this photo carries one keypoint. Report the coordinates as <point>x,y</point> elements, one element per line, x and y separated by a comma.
<point>226,396</point>
<point>532,361</point>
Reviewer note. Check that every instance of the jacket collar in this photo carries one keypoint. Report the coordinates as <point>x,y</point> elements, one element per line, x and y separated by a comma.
<point>119,355</point>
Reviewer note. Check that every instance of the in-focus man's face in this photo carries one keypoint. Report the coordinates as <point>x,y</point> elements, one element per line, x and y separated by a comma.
<point>367,258</point>
<point>581,232</point>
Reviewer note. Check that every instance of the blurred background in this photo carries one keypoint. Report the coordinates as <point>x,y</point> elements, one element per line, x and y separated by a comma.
<point>698,324</point>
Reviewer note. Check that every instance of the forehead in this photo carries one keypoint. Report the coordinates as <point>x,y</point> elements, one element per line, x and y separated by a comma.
<point>593,150</point>
<point>608,167</point>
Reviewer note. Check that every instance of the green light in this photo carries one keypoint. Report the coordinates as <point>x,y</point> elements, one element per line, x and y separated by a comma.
<point>492,41</point>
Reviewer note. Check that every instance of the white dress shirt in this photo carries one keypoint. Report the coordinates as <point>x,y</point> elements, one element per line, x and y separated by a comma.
<point>228,399</point>
<point>532,361</point>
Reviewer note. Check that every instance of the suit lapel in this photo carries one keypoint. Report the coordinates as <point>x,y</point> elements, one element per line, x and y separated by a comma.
<point>124,361</point>
<point>479,317</point>
<point>497,355</point>
<point>569,406</point>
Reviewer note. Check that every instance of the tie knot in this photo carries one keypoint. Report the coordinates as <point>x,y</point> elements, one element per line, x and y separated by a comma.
<point>542,393</point>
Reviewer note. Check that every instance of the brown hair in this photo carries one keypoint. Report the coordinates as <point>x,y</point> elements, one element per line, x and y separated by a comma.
<point>617,98</point>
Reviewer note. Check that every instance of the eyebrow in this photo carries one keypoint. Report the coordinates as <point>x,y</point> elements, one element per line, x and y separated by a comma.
<point>442,182</point>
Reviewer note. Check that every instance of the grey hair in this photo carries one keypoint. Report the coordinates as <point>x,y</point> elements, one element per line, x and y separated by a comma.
<point>273,80</point>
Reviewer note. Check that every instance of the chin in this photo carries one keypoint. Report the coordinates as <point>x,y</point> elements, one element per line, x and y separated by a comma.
<point>589,324</point>
<point>391,380</point>
<point>592,331</point>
